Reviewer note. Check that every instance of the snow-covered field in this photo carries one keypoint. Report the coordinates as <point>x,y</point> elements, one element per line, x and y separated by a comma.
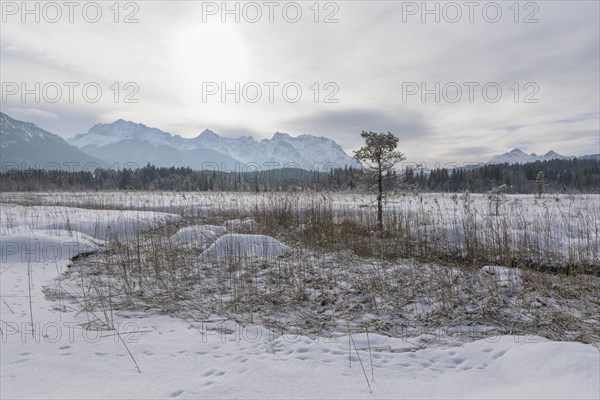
<point>56,343</point>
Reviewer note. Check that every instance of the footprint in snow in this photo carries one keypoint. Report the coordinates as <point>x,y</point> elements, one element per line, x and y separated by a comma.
<point>499,354</point>
<point>176,393</point>
<point>214,372</point>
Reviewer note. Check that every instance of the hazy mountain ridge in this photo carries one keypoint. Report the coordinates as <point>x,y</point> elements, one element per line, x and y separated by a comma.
<point>25,145</point>
<point>517,156</point>
<point>282,150</point>
<point>590,157</point>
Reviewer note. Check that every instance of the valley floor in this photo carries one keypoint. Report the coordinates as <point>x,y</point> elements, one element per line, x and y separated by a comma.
<point>52,347</point>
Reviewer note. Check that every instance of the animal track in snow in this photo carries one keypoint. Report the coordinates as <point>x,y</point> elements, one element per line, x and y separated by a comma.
<point>214,372</point>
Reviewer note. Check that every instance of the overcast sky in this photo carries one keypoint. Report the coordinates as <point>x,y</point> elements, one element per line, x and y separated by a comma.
<point>373,63</point>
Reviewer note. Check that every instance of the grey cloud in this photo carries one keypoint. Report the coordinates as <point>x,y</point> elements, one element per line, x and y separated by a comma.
<point>510,128</point>
<point>345,126</point>
<point>469,151</point>
<point>31,113</point>
<point>369,53</point>
<point>578,118</point>
<point>61,120</point>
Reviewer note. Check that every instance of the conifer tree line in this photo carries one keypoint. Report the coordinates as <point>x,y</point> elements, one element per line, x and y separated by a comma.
<point>554,176</point>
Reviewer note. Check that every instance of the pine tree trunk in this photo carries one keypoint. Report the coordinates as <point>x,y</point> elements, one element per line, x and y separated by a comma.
<point>380,199</point>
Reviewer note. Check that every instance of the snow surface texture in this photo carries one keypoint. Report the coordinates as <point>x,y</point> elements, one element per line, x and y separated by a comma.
<point>47,246</point>
<point>233,247</point>
<point>247,223</point>
<point>507,277</point>
<point>49,351</point>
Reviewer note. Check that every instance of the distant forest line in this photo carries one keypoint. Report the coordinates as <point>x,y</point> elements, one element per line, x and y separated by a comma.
<point>560,176</point>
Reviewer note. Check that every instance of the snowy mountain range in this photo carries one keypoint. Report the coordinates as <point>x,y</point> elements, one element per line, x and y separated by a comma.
<point>125,141</point>
<point>516,156</point>
<point>25,145</point>
<point>129,144</point>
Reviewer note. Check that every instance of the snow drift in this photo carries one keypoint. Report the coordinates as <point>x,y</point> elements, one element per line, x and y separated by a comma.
<point>44,246</point>
<point>237,246</point>
<point>198,235</point>
<point>119,225</point>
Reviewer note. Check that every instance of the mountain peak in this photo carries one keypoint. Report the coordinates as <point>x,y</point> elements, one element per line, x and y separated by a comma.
<point>281,135</point>
<point>106,133</point>
<point>118,123</point>
<point>207,133</point>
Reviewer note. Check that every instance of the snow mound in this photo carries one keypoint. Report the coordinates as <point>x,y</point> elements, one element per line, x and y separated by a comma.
<point>198,235</point>
<point>216,229</point>
<point>247,223</point>
<point>236,246</point>
<point>507,277</point>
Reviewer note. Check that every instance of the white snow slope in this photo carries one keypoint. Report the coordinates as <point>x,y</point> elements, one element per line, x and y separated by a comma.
<point>57,357</point>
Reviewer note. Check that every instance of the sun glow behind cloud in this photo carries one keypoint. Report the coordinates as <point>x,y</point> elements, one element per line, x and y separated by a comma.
<point>171,52</point>
<point>211,52</point>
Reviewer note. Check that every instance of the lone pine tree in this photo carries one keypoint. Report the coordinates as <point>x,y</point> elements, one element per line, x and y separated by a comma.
<point>379,156</point>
